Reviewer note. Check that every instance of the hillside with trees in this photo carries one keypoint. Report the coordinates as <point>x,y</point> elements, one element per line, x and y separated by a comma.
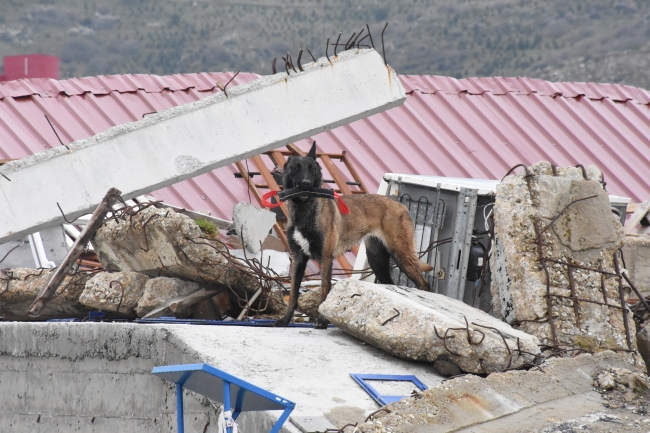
<point>578,40</point>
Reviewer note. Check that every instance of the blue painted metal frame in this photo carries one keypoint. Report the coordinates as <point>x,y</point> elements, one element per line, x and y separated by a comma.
<point>181,374</point>
<point>383,400</point>
<point>254,322</point>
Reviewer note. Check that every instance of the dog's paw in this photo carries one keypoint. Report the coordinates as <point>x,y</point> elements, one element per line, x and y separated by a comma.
<point>321,323</point>
<point>282,322</point>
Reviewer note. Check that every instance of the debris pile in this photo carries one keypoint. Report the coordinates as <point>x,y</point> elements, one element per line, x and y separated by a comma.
<point>471,400</point>
<point>20,286</point>
<point>160,242</point>
<point>637,261</point>
<point>424,326</point>
<point>117,292</point>
<point>157,262</point>
<point>556,263</point>
<point>621,384</point>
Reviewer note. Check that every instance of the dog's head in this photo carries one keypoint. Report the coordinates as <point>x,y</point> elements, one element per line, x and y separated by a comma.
<point>303,172</point>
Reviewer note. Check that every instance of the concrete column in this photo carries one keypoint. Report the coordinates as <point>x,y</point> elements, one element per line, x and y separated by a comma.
<point>192,139</point>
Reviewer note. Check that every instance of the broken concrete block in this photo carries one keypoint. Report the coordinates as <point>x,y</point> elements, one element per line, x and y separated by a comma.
<point>424,326</point>
<point>160,290</point>
<point>252,224</point>
<point>583,232</point>
<point>19,288</point>
<point>643,343</point>
<point>636,251</point>
<point>117,292</point>
<point>161,242</point>
<point>309,301</point>
<point>513,401</point>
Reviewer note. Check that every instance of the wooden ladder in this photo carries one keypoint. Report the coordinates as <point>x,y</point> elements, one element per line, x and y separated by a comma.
<point>278,158</point>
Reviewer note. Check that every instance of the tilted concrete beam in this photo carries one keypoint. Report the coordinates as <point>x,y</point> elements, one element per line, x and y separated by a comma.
<point>192,139</point>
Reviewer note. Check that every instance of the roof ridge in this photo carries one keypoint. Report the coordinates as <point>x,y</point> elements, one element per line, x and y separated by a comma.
<point>122,83</point>
<point>431,84</point>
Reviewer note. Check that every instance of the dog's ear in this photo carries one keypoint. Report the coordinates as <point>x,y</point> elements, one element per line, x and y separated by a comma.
<point>312,151</point>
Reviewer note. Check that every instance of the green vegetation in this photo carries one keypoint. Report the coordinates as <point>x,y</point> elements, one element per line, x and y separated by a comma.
<point>578,40</point>
<point>208,227</point>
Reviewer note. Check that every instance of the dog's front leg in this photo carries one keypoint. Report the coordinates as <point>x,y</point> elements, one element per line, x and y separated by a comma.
<point>325,286</point>
<point>297,271</point>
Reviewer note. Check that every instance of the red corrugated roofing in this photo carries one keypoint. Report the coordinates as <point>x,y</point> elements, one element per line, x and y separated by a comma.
<point>477,127</point>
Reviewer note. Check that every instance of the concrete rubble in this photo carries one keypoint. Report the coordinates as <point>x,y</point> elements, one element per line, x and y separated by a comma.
<point>117,292</point>
<point>643,343</point>
<point>20,286</point>
<point>576,228</point>
<point>161,289</point>
<point>161,242</point>
<point>636,251</point>
<point>424,326</point>
<point>560,390</point>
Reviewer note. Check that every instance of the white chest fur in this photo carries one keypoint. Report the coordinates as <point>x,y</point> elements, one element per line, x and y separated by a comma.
<point>302,242</point>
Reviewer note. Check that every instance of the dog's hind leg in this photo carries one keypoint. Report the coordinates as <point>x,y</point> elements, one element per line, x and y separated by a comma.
<point>402,248</point>
<point>379,259</point>
<point>411,267</point>
<point>297,272</point>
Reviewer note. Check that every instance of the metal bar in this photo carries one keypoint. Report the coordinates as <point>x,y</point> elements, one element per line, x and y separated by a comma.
<point>226,403</point>
<point>285,415</point>
<point>179,408</point>
<point>572,286</point>
<point>75,252</point>
<point>622,299</point>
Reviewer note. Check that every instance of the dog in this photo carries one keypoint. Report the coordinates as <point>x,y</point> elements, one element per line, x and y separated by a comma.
<point>317,230</point>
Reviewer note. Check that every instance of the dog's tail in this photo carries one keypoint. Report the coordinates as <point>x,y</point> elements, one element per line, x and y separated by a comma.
<point>424,267</point>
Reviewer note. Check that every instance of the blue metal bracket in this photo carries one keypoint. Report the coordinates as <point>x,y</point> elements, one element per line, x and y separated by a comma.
<point>383,400</point>
<point>224,388</point>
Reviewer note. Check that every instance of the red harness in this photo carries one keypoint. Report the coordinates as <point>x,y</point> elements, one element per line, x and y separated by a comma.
<point>343,208</point>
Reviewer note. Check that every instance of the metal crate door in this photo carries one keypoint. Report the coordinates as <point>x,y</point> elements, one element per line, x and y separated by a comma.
<point>443,222</point>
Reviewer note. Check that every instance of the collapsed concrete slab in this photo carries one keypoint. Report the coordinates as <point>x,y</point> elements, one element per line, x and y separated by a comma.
<point>19,288</point>
<point>117,292</point>
<point>96,376</point>
<point>424,326</point>
<point>516,401</point>
<point>578,236</point>
<point>192,139</point>
<point>637,261</point>
<point>161,242</point>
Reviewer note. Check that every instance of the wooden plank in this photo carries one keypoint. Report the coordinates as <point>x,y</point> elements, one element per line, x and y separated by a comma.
<point>353,172</point>
<point>296,149</point>
<point>641,210</point>
<point>336,174</point>
<point>76,251</point>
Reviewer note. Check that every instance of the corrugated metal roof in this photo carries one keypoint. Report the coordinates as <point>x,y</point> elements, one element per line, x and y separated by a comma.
<point>477,128</point>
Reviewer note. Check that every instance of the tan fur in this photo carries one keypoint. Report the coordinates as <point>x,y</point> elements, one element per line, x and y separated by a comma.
<point>371,214</point>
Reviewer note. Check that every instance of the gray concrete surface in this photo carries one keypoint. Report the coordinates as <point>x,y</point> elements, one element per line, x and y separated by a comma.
<point>192,139</point>
<point>62,377</point>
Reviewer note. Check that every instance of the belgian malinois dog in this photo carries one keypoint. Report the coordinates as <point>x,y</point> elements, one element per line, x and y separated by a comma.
<point>317,230</point>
